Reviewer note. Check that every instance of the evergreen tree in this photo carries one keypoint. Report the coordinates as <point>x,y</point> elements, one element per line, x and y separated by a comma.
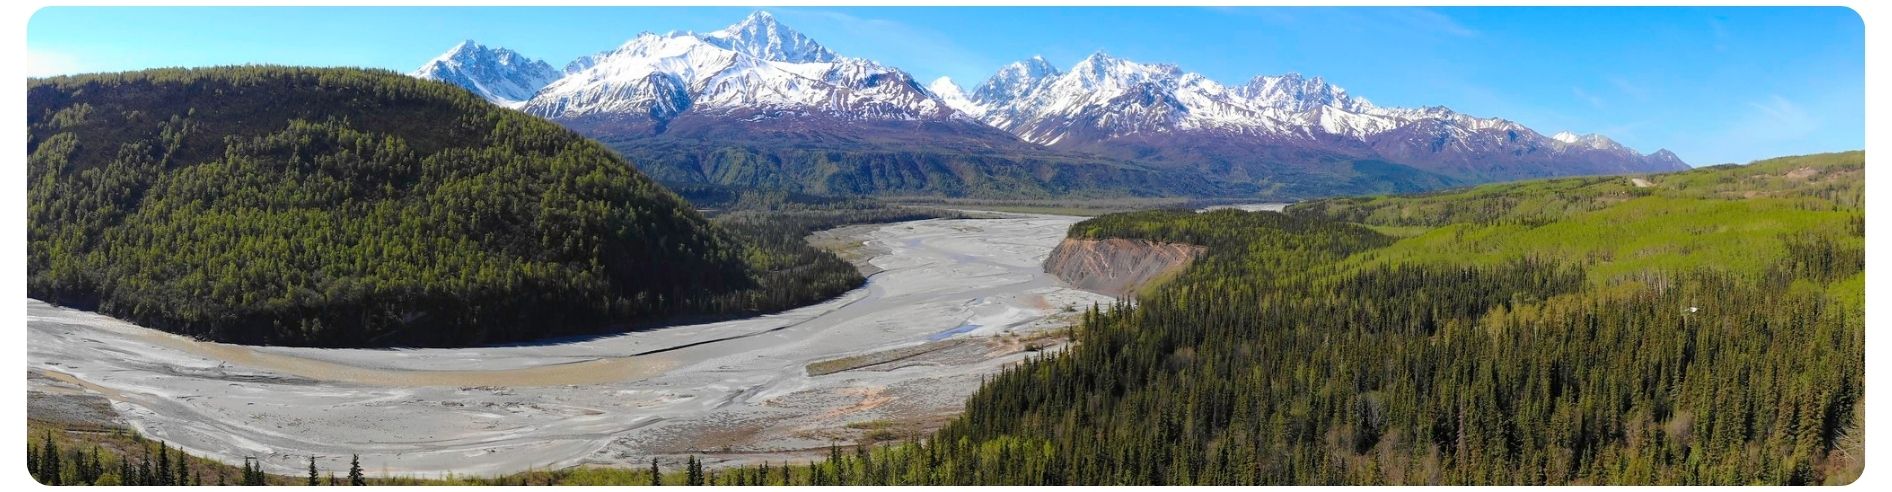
<point>163,470</point>
<point>144,467</point>
<point>183,468</point>
<point>49,466</point>
<point>693,471</point>
<point>354,471</point>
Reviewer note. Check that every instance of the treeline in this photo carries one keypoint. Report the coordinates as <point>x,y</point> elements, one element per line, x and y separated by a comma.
<point>107,456</point>
<point>340,207</point>
<point>125,458</point>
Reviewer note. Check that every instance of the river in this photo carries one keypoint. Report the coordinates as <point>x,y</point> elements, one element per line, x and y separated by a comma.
<point>968,296</point>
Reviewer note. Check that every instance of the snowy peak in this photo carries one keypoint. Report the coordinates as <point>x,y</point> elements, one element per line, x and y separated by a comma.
<point>756,66</point>
<point>954,97</point>
<point>1014,80</point>
<point>464,50</point>
<point>1293,92</point>
<point>500,75</point>
<point>1104,98</point>
<point>759,72</point>
<point>1660,160</point>
<point>1102,71</point>
<point>762,37</point>
<point>1592,141</point>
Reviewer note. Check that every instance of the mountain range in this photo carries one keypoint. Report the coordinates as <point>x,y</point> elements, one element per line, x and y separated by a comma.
<point>757,104</point>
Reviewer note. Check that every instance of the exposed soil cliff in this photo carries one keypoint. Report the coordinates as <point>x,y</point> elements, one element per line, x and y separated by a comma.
<point>1117,267</point>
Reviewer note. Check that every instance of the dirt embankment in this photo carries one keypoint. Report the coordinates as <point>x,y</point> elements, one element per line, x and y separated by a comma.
<point>1118,267</point>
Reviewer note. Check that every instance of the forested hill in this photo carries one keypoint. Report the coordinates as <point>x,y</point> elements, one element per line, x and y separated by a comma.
<point>1701,327</point>
<point>342,207</point>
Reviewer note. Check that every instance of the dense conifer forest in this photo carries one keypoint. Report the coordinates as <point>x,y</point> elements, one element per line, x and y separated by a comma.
<point>340,207</point>
<point>1591,330</point>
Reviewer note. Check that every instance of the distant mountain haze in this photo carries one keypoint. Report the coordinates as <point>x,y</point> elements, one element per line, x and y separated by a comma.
<point>759,104</point>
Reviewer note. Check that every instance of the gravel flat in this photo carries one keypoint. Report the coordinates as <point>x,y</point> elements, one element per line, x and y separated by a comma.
<point>735,391</point>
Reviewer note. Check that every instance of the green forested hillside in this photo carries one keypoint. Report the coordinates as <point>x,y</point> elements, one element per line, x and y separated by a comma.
<point>1706,328</point>
<point>905,169</point>
<point>363,208</point>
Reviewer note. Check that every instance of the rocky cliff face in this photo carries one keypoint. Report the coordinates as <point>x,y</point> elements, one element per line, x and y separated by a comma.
<point>1117,267</point>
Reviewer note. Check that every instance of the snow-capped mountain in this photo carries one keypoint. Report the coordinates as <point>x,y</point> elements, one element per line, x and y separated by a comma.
<point>500,75</point>
<point>1590,141</point>
<point>949,92</point>
<point>996,97</point>
<point>759,104</point>
<point>757,67</point>
<point>1104,99</point>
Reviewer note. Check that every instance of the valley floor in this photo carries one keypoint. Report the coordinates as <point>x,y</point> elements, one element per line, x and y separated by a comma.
<point>954,300</point>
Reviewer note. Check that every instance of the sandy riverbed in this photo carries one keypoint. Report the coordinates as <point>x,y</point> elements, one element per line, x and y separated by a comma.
<point>736,391</point>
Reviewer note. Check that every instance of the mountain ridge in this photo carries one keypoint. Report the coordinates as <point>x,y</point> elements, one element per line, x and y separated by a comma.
<point>1273,131</point>
<point>1104,99</point>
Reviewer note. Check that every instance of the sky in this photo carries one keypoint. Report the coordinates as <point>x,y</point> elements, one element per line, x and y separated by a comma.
<point>1713,85</point>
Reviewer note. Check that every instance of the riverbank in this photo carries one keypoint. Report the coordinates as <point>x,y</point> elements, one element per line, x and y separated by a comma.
<point>734,391</point>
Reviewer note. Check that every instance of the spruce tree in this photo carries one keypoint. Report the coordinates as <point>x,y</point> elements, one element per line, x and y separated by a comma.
<point>95,468</point>
<point>49,460</point>
<point>656,476</point>
<point>354,471</point>
<point>314,480</point>
<point>163,470</point>
<point>183,469</point>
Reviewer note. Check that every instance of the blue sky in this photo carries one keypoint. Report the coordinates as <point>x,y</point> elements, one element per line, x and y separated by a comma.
<point>1712,84</point>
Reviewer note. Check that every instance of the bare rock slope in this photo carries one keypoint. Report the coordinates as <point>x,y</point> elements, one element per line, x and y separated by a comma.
<point>1118,267</point>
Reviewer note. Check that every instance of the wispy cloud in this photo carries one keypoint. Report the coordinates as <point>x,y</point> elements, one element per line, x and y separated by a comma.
<point>1593,100</point>
<point>1625,131</point>
<point>1435,21</point>
<point>1721,33</point>
<point>1771,120</point>
<point>1784,115</point>
<point>1629,88</point>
